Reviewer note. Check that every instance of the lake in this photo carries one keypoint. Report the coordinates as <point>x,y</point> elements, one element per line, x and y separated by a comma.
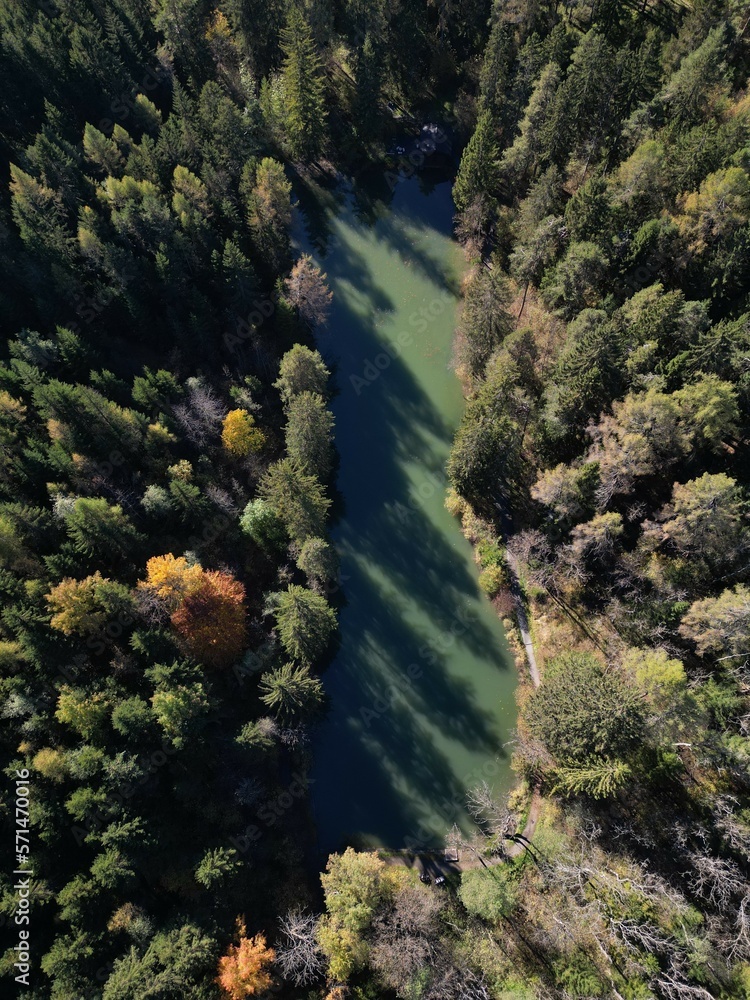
<point>421,691</point>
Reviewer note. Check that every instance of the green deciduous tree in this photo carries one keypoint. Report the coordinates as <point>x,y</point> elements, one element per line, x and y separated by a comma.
<point>260,522</point>
<point>661,678</point>
<point>354,886</point>
<point>175,709</point>
<point>488,893</point>
<point>84,713</point>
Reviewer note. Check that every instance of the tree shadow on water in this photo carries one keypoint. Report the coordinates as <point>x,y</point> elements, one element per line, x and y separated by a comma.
<point>409,715</point>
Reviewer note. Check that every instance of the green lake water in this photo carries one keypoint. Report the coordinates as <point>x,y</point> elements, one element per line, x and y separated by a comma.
<point>421,690</point>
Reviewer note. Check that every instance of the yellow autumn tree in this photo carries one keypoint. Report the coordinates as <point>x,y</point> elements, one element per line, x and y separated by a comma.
<point>172,578</point>
<point>82,607</point>
<point>720,206</point>
<point>239,434</point>
<point>243,971</point>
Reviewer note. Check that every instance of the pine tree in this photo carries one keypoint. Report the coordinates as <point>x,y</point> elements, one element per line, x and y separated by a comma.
<point>305,620</point>
<point>304,88</point>
<point>297,499</point>
<point>530,146</point>
<point>270,214</point>
<point>498,58</point>
<point>478,173</point>
<point>301,370</point>
<point>291,690</point>
<point>309,434</point>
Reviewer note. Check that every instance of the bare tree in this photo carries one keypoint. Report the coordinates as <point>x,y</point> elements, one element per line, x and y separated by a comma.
<point>221,499</point>
<point>307,290</point>
<point>405,937</point>
<point>298,956</point>
<point>201,416</point>
<point>673,985</point>
<point>641,935</point>
<point>740,947</point>
<point>458,984</point>
<point>493,817</point>
<point>151,607</point>
<point>736,833</point>
<point>716,880</point>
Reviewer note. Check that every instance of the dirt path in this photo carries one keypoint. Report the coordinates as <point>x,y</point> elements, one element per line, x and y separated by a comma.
<point>523,621</point>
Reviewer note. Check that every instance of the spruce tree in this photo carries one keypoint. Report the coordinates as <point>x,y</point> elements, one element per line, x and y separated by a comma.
<point>304,88</point>
<point>477,174</point>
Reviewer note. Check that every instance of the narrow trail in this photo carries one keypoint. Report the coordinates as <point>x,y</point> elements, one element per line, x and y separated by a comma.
<point>535,808</point>
<point>523,622</point>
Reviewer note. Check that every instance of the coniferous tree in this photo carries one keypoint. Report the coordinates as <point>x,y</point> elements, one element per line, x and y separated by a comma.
<point>304,88</point>
<point>478,173</point>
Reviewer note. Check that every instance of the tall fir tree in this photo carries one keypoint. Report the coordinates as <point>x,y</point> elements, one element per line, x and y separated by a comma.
<point>304,88</point>
<point>477,174</point>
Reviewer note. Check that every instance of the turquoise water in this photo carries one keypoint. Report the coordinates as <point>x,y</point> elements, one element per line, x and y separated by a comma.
<point>422,687</point>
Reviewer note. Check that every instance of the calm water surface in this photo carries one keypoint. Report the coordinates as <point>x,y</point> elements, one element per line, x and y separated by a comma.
<point>422,688</point>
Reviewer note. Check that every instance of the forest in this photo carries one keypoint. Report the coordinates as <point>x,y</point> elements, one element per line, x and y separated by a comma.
<point>169,590</point>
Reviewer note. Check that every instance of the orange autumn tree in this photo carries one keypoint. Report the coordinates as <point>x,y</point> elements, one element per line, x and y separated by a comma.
<point>211,619</point>
<point>243,971</point>
<point>207,607</point>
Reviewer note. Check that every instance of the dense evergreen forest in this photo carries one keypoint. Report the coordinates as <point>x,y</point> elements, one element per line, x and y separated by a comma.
<point>168,590</point>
